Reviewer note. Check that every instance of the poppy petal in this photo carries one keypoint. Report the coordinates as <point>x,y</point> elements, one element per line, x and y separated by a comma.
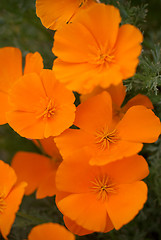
<point>71,141</point>
<point>11,67</point>
<point>47,186</point>
<point>123,206</point>
<point>3,107</point>
<point>13,201</point>
<point>50,231</point>
<point>127,54</point>
<point>139,124</point>
<point>54,14</point>
<point>7,178</point>
<point>31,168</point>
<point>86,211</point>
<point>115,152</point>
<point>95,112</point>
<point>128,170</point>
<point>138,100</point>
<point>75,228</point>
<point>34,63</point>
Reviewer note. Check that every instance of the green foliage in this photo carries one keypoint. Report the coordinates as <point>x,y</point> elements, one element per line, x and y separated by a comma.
<point>21,28</point>
<point>130,12</point>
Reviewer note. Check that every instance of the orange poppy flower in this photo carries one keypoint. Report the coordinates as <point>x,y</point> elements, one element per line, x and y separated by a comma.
<point>38,170</point>
<point>10,197</point>
<point>55,14</point>
<point>118,93</point>
<point>104,138</point>
<point>40,106</point>
<point>50,231</point>
<point>104,54</point>
<point>100,198</point>
<point>11,70</point>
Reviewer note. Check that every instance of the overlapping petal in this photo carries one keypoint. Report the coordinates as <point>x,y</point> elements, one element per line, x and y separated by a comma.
<point>44,114</point>
<point>87,195</point>
<point>31,168</point>
<point>104,55</point>
<point>54,14</point>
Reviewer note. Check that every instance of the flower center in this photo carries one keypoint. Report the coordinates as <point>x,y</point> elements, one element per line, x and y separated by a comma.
<point>106,58</point>
<point>105,137</point>
<point>2,203</point>
<point>49,111</point>
<point>102,187</point>
<point>101,56</point>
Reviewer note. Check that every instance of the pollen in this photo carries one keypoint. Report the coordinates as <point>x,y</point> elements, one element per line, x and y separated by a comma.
<point>102,57</point>
<point>2,203</point>
<point>105,137</point>
<point>49,111</point>
<point>106,58</point>
<point>102,187</point>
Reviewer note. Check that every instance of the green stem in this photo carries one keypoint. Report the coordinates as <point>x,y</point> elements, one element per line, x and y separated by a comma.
<point>31,218</point>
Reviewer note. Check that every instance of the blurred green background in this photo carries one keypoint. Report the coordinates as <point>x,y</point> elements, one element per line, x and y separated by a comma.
<point>19,27</point>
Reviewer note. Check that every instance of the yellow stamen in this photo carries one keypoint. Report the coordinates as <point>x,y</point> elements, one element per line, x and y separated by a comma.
<point>105,137</point>
<point>48,112</point>
<point>106,58</point>
<point>103,186</point>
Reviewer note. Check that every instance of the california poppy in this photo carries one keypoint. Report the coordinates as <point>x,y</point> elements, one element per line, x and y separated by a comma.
<point>11,71</point>
<point>38,170</point>
<point>10,197</point>
<point>50,231</point>
<point>104,138</point>
<point>104,54</point>
<point>100,198</point>
<point>54,14</point>
<point>40,106</point>
<point>118,93</point>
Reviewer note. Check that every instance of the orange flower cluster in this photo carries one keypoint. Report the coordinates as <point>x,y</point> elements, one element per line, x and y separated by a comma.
<point>89,153</point>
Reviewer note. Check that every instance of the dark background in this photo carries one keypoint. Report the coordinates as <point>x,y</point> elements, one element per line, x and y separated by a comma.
<point>20,27</point>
